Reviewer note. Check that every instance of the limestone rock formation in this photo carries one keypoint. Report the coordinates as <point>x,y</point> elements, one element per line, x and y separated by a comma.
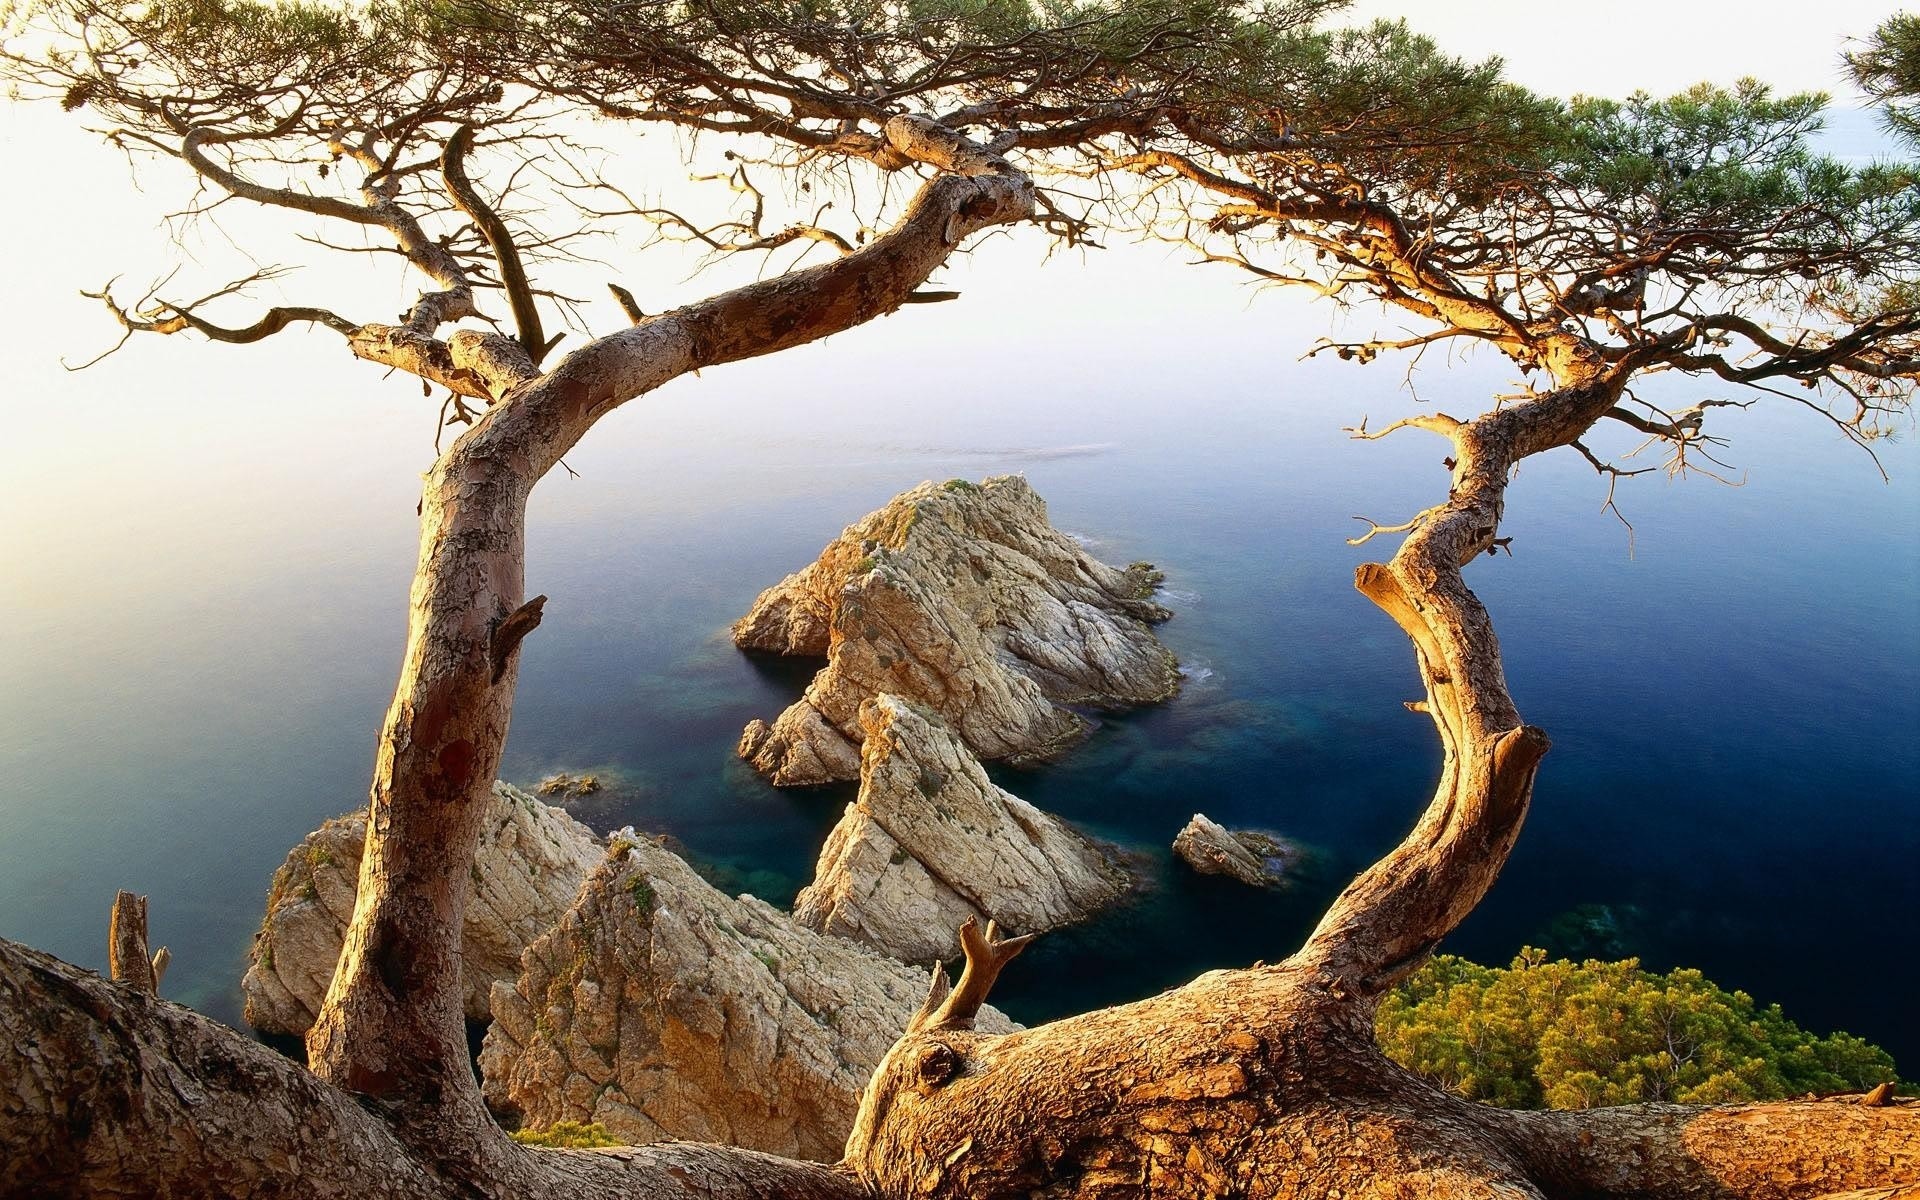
<point>530,864</point>
<point>663,1008</point>
<point>931,841</point>
<point>1257,859</point>
<point>961,597</point>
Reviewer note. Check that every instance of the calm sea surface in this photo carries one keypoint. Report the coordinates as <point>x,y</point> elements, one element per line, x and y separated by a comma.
<point>204,603</point>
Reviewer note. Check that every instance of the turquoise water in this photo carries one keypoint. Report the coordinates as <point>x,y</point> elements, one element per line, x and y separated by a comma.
<point>198,657</point>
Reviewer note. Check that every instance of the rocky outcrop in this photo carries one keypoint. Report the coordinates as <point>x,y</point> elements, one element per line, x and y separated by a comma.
<point>662,1008</point>
<point>1257,859</point>
<point>931,841</point>
<point>960,597</point>
<point>530,864</point>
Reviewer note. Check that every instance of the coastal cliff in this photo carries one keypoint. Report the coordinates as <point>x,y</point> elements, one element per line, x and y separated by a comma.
<point>660,1007</point>
<point>530,863</point>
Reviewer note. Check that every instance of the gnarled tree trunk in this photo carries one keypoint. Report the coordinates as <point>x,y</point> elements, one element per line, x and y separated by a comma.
<point>1269,1082</point>
<point>391,1032</point>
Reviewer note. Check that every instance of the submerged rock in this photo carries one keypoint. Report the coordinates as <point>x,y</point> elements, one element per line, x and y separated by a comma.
<point>930,841</point>
<point>1254,858</point>
<point>662,1008</point>
<point>570,787</point>
<point>530,863</point>
<point>960,597</point>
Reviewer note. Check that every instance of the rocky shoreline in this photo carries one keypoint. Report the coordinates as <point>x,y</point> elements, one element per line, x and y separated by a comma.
<point>622,989</point>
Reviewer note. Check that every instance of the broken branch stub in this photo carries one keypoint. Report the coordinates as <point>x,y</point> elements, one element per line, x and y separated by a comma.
<point>128,961</point>
<point>987,954</point>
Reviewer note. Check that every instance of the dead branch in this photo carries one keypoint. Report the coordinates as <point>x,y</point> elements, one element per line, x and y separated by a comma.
<point>1374,528</point>
<point>1439,423</point>
<point>128,961</point>
<point>987,955</point>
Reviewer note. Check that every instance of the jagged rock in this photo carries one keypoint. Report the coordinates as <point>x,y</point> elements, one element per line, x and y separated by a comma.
<point>663,1008</point>
<point>931,841</point>
<point>1254,858</point>
<point>961,597</point>
<point>529,866</point>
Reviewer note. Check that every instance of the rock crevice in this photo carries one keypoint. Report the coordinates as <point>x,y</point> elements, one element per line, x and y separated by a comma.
<point>528,868</point>
<point>931,841</point>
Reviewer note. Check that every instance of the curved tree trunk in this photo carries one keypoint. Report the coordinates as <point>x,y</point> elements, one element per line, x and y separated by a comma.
<point>391,1027</point>
<point>1269,1082</point>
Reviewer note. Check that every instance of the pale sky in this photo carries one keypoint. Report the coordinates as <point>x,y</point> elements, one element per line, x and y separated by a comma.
<point>78,218</point>
<point>1617,46</point>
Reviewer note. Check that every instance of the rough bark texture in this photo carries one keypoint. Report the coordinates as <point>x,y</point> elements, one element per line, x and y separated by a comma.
<point>960,597</point>
<point>662,1008</point>
<point>127,959</point>
<point>107,1091</point>
<point>931,842</point>
<point>529,866</point>
<point>1268,1083</point>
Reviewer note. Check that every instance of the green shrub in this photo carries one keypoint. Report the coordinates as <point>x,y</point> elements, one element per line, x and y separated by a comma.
<point>1541,1034</point>
<point>567,1135</point>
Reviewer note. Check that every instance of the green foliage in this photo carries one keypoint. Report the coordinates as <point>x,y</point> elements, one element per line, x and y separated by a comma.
<point>1888,70</point>
<point>1711,155</point>
<point>1561,1034</point>
<point>960,485</point>
<point>1389,104</point>
<point>572,1135</point>
<point>642,893</point>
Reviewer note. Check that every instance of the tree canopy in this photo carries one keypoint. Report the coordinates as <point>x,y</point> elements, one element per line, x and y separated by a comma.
<point>1611,239</point>
<point>1887,68</point>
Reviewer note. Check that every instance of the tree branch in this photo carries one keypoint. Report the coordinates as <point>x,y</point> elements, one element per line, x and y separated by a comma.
<point>513,275</point>
<point>987,955</point>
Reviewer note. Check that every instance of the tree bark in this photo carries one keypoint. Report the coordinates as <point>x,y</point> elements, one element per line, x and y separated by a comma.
<point>391,1028</point>
<point>127,958</point>
<point>1266,1083</point>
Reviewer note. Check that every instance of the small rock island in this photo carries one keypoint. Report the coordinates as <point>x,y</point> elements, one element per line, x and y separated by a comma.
<point>1254,858</point>
<point>962,598</point>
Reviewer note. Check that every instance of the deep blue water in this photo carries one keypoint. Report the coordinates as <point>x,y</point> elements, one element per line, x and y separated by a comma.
<point>196,679</point>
